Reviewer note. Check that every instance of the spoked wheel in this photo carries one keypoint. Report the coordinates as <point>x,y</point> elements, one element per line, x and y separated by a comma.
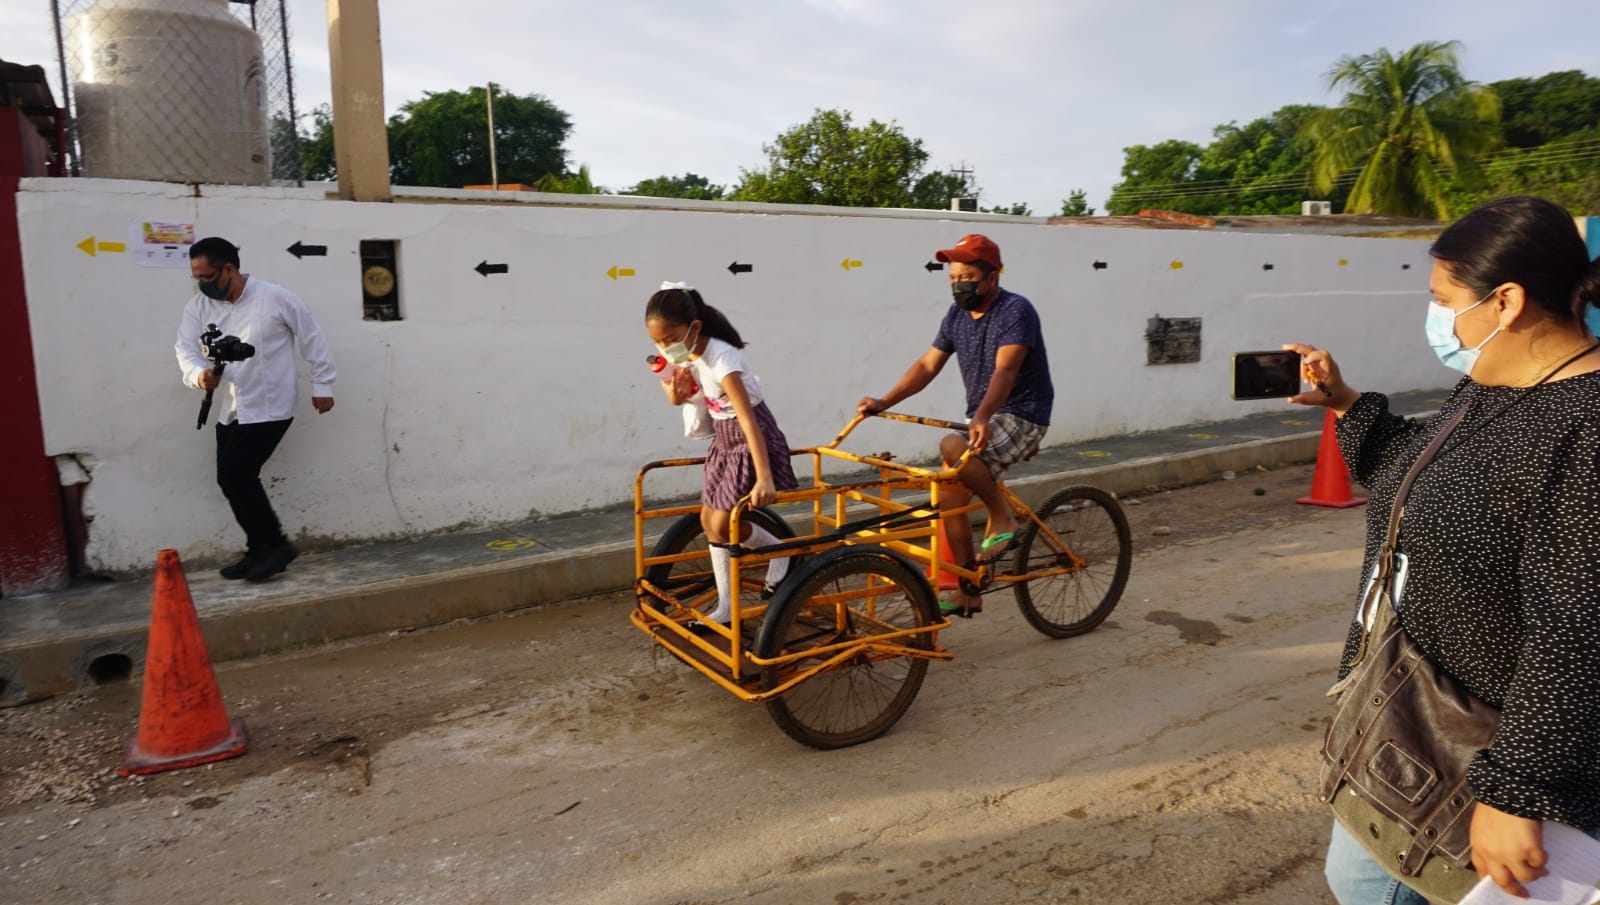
<point>1092,525</point>
<point>692,577</point>
<point>846,596</point>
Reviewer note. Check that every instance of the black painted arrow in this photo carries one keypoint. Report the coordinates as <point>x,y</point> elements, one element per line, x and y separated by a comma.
<point>736,268</point>
<point>1100,265</point>
<point>301,251</point>
<point>1266,266</point>
<point>1405,266</point>
<point>485,268</point>
<point>931,266</point>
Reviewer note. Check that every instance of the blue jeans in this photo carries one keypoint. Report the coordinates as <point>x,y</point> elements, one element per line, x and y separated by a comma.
<point>1356,879</point>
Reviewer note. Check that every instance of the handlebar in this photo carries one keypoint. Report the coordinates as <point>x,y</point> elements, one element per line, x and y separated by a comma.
<point>909,419</point>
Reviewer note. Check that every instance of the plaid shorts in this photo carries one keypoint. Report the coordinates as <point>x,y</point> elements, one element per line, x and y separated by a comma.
<point>1011,439</point>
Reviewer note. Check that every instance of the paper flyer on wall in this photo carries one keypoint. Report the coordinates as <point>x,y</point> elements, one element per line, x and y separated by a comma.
<point>1574,877</point>
<point>159,243</point>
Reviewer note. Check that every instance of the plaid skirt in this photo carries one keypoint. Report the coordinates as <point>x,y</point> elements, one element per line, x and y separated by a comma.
<point>731,473</point>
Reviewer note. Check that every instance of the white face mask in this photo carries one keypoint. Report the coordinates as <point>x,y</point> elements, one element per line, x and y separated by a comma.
<point>1441,327</point>
<point>678,353</point>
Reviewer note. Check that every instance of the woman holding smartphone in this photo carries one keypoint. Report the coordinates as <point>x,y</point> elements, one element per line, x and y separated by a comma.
<point>1501,533</point>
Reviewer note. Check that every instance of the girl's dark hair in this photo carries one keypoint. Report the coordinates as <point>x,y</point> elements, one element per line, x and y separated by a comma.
<point>1525,240</point>
<point>685,306</point>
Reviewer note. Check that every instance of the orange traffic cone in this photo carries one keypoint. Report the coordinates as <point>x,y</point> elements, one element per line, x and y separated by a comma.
<point>182,722</point>
<point>947,579</point>
<point>1330,483</point>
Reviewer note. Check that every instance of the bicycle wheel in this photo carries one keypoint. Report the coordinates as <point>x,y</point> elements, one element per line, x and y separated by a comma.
<point>1091,523</point>
<point>846,595</point>
<point>691,577</point>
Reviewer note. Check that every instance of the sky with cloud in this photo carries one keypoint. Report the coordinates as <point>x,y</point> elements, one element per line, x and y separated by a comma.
<point>1037,97</point>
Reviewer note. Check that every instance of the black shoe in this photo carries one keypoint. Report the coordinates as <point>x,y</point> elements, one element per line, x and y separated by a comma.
<point>270,562</point>
<point>236,570</point>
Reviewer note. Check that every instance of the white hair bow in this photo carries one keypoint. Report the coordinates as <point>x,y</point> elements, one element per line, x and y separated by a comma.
<point>668,284</point>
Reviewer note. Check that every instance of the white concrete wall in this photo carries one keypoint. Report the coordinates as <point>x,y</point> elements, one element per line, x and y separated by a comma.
<point>504,397</point>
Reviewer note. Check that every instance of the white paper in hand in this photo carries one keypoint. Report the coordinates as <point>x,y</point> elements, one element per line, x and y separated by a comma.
<point>1574,872</point>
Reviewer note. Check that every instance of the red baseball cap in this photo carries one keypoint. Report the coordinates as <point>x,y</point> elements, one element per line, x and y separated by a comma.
<point>971,248</point>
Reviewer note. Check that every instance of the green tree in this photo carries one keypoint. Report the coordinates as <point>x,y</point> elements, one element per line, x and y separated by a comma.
<point>1077,205</point>
<point>577,183</point>
<point>1548,108</point>
<point>1406,121</point>
<point>1020,209</point>
<point>934,190</point>
<point>443,139</point>
<point>690,186</point>
<point>1263,167</point>
<point>829,160</point>
<point>316,147</point>
<point>1153,174</point>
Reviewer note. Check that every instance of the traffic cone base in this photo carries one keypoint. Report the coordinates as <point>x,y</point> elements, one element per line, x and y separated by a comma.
<point>182,720</point>
<point>135,761</point>
<point>1330,482</point>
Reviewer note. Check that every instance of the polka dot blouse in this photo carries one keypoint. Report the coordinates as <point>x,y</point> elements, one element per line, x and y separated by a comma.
<point>1502,536</point>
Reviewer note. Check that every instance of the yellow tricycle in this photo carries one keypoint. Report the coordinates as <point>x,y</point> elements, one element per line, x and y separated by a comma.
<point>838,650</point>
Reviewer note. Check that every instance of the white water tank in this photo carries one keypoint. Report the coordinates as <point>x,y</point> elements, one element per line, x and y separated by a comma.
<point>169,90</point>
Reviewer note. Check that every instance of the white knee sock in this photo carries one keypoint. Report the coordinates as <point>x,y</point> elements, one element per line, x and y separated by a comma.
<point>721,567</point>
<point>777,568</point>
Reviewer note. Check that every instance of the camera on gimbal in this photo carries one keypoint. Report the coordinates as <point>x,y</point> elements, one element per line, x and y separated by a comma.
<point>219,348</point>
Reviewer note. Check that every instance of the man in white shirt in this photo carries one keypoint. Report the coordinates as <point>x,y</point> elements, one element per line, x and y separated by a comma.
<point>261,391</point>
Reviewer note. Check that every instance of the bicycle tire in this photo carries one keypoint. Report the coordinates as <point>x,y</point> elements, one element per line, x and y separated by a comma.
<point>1093,524</point>
<point>860,699</point>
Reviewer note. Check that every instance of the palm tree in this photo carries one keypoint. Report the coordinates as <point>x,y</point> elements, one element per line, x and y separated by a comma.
<point>1409,122</point>
<point>578,183</point>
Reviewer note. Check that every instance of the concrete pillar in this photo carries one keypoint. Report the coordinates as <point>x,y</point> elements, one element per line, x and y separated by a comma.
<point>360,138</point>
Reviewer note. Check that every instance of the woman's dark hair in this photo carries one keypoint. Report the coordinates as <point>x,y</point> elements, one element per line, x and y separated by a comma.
<point>1525,240</point>
<point>685,306</point>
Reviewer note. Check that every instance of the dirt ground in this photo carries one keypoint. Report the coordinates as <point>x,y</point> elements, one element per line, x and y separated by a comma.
<point>553,756</point>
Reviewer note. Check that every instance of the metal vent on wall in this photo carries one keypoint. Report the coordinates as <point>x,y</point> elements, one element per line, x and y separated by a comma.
<point>1172,340</point>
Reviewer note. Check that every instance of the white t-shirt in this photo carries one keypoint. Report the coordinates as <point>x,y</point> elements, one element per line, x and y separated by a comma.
<point>275,321</point>
<point>716,362</point>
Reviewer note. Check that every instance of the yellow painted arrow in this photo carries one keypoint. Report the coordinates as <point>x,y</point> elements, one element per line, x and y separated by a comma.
<point>616,271</point>
<point>89,246</point>
<point>1177,265</point>
<point>848,263</point>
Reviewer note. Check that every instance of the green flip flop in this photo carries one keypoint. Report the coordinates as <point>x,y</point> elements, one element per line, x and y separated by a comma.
<point>1001,543</point>
<point>948,609</point>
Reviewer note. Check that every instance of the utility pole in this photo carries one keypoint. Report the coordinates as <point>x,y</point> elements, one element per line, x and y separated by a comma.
<point>965,172</point>
<point>360,137</point>
<point>494,165</point>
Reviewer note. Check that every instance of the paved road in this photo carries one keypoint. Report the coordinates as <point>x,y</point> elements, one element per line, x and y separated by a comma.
<point>550,757</point>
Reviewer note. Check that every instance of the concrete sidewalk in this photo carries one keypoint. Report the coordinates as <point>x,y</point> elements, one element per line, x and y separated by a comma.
<point>95,630</point>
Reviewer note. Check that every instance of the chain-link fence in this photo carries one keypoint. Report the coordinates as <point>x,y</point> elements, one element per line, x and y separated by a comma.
<point>180,90</point>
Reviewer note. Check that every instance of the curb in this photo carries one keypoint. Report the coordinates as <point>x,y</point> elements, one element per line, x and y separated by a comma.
<point>52,665</point>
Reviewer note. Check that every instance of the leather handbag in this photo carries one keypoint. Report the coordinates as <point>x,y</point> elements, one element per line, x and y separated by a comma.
<point>1396,753</point>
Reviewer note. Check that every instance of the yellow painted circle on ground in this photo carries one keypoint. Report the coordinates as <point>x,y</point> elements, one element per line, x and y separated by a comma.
<point>1295,422</point>
<point>507,544</point>
<point>377,280</point>
<point>1094,454</point>
<point>1202,436</point>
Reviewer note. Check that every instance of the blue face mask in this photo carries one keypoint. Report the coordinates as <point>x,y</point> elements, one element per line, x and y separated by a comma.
<point>1442,337</point>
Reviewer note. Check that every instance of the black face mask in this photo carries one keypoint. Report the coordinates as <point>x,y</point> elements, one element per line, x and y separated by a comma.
<point>967,294</point>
